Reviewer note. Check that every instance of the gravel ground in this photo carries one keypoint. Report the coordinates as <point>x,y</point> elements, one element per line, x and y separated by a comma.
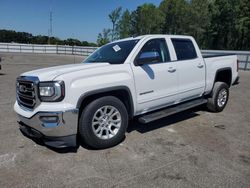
<point>191,149</point>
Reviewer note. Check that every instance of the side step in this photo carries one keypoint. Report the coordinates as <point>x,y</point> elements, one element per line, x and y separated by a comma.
<point>171,110</point>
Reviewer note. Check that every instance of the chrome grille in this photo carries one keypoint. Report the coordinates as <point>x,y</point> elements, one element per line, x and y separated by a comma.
<point>26,89</point>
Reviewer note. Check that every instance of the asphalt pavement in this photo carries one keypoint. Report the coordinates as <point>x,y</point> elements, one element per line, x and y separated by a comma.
<point>194,148</point>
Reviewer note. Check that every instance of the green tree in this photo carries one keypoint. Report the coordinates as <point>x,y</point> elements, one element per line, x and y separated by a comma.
<point>124,25</point>
<point>242,25</point>
<point>72,42</point>
<point>104,37</point>
<point>40,39</point>
<point>23,37</point>
<point>55,40</point>
<point>222,24</point>
<point>175,16</point>
<point>147,19</point>
<point>114,17</point>
<point>198,22</point>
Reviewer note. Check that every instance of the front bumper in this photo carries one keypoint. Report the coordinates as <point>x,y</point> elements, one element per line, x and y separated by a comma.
<point>56,129</point>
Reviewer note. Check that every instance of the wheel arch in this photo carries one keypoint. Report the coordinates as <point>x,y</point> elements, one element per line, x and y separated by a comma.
<point>224,75</point>
<point>121,92</point>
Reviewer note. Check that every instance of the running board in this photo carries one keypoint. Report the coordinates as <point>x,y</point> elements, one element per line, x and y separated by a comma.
<point>171,110</point>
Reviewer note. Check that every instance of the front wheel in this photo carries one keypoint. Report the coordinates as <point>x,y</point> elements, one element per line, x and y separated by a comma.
<point>219,97</point>
<point>103,122</point>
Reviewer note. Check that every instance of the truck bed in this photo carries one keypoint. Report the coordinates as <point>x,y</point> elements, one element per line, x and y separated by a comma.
<point>218,62</point>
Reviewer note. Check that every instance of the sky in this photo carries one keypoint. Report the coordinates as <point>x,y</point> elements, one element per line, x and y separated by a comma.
<point>80,19</point>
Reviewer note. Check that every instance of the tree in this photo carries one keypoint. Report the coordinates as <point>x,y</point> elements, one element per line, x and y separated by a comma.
<point>198,22</point>
<point>222,24</point>
<point>124,25</point>
<point>104,37</point>
<point>147,19</point>
<point>55,40</point>
<point>175,16</point>
<point>114,17</point>
<point>23,37</point>
<point>72,42</point>
<point>215,24</point>
<point>40,39</point>
<point>242,25</point>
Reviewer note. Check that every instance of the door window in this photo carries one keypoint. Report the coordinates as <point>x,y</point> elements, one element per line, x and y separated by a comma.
<point>157,46</point>
<point>184,49</point>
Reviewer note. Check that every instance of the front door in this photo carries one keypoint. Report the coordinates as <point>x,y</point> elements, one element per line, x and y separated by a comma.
<point>156,83</point>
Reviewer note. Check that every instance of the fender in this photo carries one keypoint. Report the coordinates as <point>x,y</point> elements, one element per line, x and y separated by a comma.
<point>223,69</point>
<point>105,90</point>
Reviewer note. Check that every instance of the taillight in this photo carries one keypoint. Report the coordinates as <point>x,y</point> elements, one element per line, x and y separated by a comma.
<point>238,65</point>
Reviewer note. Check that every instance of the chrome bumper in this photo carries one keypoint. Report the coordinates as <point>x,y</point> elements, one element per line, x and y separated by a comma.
<point>55,128</point>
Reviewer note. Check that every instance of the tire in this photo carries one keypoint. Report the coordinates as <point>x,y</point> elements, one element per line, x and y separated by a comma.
<point>101,130</point>
<point>219,98</point>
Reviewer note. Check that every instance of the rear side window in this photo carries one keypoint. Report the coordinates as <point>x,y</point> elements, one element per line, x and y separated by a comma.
<point>184,49</point>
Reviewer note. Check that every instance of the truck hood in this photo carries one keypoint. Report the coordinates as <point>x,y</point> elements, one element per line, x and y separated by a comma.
<point>48,74</point>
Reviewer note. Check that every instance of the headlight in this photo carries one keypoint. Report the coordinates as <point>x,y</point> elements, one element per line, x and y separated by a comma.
<point>51,91</point>
<point>46,91</point>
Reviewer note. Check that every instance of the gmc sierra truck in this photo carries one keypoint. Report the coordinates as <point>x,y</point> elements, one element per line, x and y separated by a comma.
<point>149,76</point>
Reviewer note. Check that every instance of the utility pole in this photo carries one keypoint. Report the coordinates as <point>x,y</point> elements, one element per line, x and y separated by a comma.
<point>50,25</point>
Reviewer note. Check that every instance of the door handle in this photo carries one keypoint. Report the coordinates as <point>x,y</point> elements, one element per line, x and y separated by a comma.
<point>200,66</point>
<point>171,70</point>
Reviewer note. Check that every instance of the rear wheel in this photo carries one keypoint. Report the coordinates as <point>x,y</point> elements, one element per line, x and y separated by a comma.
<point>219,98</point>
<point>103,122</point>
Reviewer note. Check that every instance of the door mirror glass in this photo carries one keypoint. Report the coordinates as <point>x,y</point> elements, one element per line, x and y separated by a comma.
<point>148,57</point>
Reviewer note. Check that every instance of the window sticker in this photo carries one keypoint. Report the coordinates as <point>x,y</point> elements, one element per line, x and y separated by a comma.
<point>116,48</point>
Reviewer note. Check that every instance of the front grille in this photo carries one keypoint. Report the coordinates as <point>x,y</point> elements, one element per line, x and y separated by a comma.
<point>26,88</point>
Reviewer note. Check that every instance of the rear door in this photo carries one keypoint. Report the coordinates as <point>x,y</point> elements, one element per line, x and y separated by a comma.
<point>191,69</point>
<point>156,83</point>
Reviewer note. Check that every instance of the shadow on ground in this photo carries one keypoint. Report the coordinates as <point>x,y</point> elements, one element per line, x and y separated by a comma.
<point>57,150</point>
<point>134,125</point>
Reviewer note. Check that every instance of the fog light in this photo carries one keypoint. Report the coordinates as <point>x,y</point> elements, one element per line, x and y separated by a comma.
<point>49,119</point>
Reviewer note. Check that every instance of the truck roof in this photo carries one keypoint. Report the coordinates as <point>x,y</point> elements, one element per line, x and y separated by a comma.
<point>152,35</point>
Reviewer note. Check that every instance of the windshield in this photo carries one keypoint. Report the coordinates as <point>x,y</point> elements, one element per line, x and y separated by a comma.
<point>114,53</point>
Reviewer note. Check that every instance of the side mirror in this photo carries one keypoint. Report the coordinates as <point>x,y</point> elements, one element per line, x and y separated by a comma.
<point>147,57</point>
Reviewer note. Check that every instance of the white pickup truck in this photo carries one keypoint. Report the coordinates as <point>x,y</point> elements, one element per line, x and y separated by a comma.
<point>149,76</point>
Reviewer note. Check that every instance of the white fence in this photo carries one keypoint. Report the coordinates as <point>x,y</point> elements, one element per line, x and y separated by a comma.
<point>47,49</point>
<point>243,56</point>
